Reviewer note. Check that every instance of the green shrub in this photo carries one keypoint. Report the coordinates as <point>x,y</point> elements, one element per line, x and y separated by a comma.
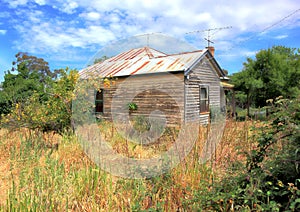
<point>270,180</point>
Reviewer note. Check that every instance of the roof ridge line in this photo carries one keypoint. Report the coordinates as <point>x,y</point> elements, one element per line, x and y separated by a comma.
<point>147,50</point>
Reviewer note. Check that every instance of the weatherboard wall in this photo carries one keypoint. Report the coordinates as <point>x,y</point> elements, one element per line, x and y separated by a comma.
<point>203,73</point>
<point>150,92</point>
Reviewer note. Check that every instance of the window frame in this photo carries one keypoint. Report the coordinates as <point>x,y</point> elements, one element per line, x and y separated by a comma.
<point>204,103</point>
<point>101,101</point>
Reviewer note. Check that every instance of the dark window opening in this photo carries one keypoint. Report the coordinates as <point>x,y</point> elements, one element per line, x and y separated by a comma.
<point>204,99</point>
<point>99,102</point>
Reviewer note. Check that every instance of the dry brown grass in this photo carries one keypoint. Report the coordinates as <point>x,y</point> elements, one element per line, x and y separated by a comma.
<point>87,188</point>
<point>8,169</point>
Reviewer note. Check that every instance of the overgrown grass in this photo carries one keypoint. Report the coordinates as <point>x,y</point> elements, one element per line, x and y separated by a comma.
<point>35,176</point>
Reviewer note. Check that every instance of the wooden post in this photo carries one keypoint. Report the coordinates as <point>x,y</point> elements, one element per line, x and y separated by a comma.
<point>233,104</point>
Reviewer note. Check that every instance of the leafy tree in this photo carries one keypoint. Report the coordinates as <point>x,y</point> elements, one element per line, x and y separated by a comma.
<point>248,83</point>
<point>274,164</point>
<point>51,114</point>
<point>29,74</point>
<point>101,59</point>
<point>225,72</point>
<point>36,97</point>
<point>270,179</point>
<point>34,64</point>
<point>274,72</point>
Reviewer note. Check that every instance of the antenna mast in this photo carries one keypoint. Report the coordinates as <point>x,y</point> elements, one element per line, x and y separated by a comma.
<point>208,39</point>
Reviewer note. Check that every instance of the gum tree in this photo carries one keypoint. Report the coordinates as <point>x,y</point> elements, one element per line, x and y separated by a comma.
<point>273,72</point>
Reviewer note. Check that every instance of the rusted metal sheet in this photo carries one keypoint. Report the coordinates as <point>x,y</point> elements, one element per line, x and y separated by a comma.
<point>142,61</point>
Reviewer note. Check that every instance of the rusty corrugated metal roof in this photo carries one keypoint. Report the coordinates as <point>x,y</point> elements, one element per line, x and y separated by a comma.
<point>142,61</point>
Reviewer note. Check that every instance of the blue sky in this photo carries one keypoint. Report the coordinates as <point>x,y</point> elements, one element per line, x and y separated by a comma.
<point>70,32</point>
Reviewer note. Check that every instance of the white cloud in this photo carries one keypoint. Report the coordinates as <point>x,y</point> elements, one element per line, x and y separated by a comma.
<point>16,3</point>
<point>40,2</point>
<point>35,17</point>
<point>4,14</point>
<point>243,15</point>
<point>90,25</point>
<point>91,16</point>
<point>170,15</point>
<point>68,6</point>
<point>249,53</point>
<point>279,37</point>
<point>3,32</point>
<point>54,37</point>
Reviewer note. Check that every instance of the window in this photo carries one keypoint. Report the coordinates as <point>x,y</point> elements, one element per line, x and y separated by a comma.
<point>204,99</point>
<point>99,101</point>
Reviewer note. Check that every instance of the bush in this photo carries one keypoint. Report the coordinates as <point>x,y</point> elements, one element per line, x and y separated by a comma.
<point>52,113</point>
<point>270,180</point>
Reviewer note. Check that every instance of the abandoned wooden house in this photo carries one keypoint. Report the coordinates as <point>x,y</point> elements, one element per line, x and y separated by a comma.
<point>184,86</point>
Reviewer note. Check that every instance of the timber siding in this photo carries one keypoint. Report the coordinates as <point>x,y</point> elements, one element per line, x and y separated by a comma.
<point>146,78</point>
<point>202,73</point>
<point>155,92</point>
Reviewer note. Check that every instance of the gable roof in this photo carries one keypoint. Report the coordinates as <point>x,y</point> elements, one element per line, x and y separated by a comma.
<point>145,60</point>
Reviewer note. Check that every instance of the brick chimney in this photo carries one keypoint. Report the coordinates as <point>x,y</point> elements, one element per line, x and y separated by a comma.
<point>211,49</point>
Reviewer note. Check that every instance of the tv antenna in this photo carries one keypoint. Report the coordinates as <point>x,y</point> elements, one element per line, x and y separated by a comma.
<point>147,35</point>
<point>208,39</point>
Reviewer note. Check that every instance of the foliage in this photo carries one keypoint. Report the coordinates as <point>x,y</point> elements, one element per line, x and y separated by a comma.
<point>276,159</point>
<point>39,178</point>
<point>101,59</point>
<point>50,114</point>
<point>270,180</point>
<point>65,179</point>
<point>28,75</point>
<point>141,123</point>
<point>274,72</point>
<point>132,106</point>
<point>264,177</point>
<point>34,97</point>
<point>34,64</point>
<point>37,98</point>
<point>225,72</point>
<point>83,106</point>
